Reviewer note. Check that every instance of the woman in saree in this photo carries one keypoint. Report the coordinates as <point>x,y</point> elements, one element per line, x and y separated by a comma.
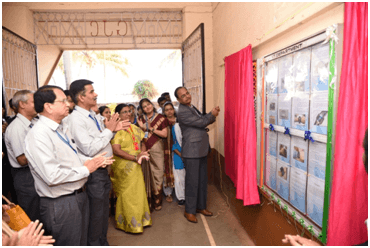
<point>168,182</point>
<point>155,127</point>
<point>132,209</point>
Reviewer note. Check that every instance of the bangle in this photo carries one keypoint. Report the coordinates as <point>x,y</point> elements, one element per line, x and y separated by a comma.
<point>135,158</point>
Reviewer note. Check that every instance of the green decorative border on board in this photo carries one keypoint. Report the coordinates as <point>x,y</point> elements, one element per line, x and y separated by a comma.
<point>329,141</point>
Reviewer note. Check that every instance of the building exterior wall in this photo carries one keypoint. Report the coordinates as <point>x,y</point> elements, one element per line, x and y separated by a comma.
<point>236,25</point>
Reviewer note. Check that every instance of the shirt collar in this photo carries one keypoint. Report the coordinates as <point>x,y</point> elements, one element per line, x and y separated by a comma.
<point>85,112</point>
<point>49,122</point>
<point>23,119</point>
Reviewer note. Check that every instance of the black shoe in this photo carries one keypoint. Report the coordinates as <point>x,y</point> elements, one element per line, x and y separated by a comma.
<point>181,202</point>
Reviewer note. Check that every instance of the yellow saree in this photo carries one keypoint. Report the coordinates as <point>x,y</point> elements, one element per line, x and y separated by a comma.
<point>132,209</point>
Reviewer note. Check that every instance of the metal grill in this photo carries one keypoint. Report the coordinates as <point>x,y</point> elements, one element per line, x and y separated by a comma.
<point>193,67</point>
<point>102,28</point>
<point>19,65</point>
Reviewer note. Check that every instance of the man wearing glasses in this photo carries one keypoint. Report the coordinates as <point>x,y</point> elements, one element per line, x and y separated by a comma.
<point>59,170</point>
<point>195,147</point>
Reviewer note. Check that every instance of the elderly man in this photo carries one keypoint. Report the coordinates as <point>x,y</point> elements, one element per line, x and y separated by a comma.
<point>59,171</point>
<point>195,147</point>
<point>15,135</point>
<point>93,138</point>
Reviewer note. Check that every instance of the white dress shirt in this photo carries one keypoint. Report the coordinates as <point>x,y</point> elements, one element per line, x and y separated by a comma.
<point>56,168</point>
<point>89,140</point>
<point>15,135</point>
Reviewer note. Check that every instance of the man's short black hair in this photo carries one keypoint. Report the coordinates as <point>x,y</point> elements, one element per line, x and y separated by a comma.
<point>165,94</point>
<point>67,93</point>
<point>119,107</point>
<point>177,89</point>
<point>161,99</point>
<point>78,87</point>
<point>131,105</point>
<point>43,95</point>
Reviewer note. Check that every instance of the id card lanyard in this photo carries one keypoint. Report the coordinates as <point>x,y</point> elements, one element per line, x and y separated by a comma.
<point>147,124</point>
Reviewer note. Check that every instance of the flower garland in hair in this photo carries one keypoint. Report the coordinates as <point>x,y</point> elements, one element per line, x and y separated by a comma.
<point>136,145</point>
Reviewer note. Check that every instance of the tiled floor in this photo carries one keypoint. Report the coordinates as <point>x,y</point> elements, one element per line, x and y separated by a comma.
<point>171,228</point>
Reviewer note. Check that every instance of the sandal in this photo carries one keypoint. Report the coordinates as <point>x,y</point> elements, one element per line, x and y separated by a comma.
<point>157,208</point>
<point>169,198</point>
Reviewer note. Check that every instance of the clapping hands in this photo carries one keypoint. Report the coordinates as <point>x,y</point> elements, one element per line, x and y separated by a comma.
<point>115,124</point>
<point>32,235</point>
<point>98,161</point>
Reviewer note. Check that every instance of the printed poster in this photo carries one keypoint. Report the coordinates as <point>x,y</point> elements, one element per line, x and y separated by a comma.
<point>299,150</point>
<point>301,70</point>
<point>320,67</point>
<point>298,180</point>
<point>284,113</point>
<point>283,173</point>
<point>272,109</point>
<point>315,199</point>
<point>271,77</point>
<point>271,171</point>
<point>271,141</point>
<point>284,147</point>
<point>317,158</point>
<point>300,106</point>
<point>319,112</point>
<point>286,79</point>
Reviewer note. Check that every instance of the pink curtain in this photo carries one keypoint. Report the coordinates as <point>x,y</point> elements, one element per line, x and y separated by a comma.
<point>240,128</point>
<point>348,203</point>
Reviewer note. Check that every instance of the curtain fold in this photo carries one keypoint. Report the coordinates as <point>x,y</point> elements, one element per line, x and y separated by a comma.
<point>348,208</point>
<point>240,127</point>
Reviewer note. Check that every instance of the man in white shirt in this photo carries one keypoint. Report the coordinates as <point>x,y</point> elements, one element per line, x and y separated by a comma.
<point>91,139</point>
<point>14,139</point>
<point>59,171</point>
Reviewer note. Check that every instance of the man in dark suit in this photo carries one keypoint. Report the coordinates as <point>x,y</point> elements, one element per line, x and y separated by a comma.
<point>195,147</point>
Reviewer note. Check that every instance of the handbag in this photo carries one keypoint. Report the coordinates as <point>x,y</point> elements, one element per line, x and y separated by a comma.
<point>18,218</point>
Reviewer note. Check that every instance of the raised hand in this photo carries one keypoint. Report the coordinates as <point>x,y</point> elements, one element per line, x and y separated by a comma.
<point>123,125</point>
<point>215,111</point>
<point>98,161</point>
<point>112,123</point>
<point>30,235</point>
<point>141,124</point>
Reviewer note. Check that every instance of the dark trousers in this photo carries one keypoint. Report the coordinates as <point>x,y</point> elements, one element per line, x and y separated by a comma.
<point>98,188</point>
<point>66,218</point>
<point>27,197</point>
<point>195,184</point>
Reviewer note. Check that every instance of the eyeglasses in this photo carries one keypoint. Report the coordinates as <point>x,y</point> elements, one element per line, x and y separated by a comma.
<point>125,112</point>
<point>65,100</point>
<point>186,94</point>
